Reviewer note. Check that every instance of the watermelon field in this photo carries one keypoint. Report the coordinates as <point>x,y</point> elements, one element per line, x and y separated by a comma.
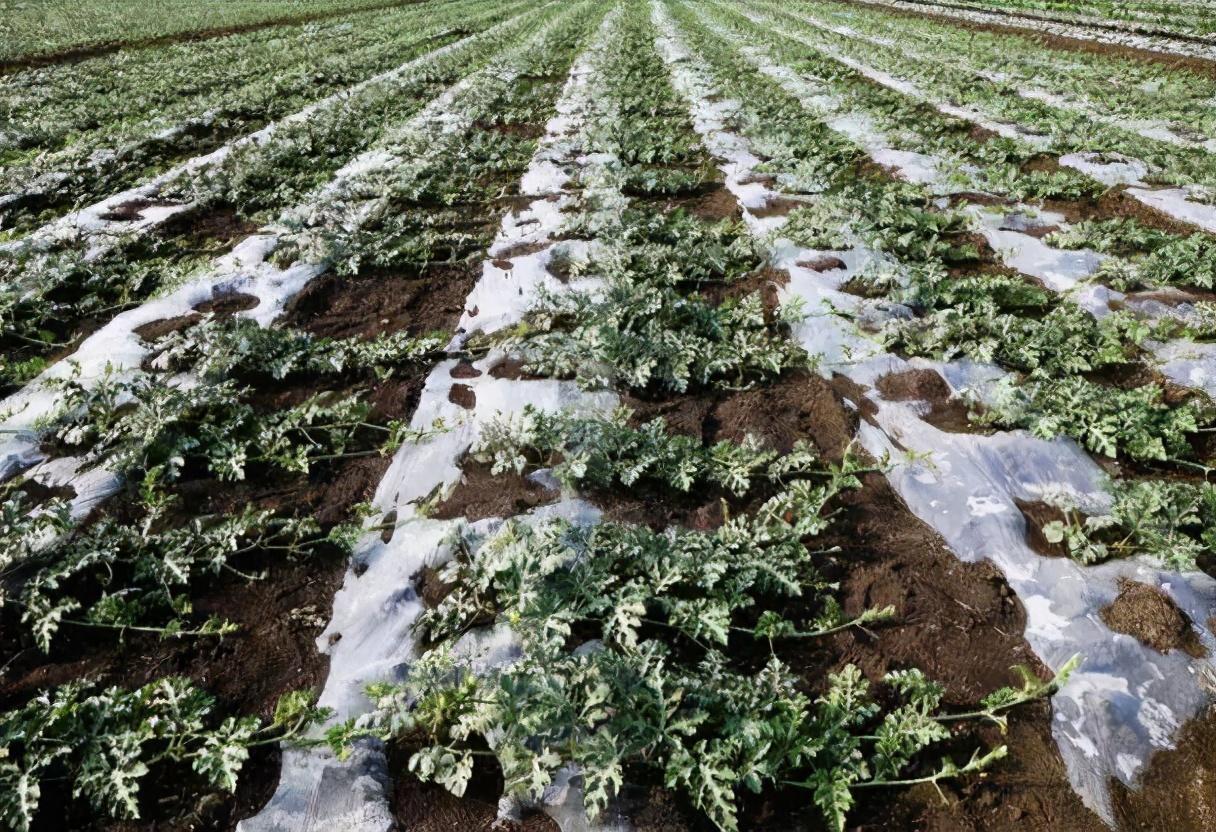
<point>607,415</point>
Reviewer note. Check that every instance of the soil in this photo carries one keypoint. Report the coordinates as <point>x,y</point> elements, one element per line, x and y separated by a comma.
<point>462,395</point>
<point>1037,515</point>
<point>822,263</point>
<point>481,494</point>
<point>776,207</point>
<point>228,303</point>
<point>280,617</point>
<point>337,306</point>
<point>426,807</point>
<point>963,626</point>
<point>959,622</point>
<point>1177,790</point>
<point>1116,203</point>
<point>153,331</point>
<point>511,368</point>
<point>1149,615</point>
<point>946,411</point>
<point>767,281</point>
<point>221,306</point>
<point>713,202</point>
<point>127,211</point>
<point>201,229</point>
<point>82,53</point>
<point>465,369</point>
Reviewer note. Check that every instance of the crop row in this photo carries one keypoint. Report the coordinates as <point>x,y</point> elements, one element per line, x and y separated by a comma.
<point>186,100</point>
<point>196,421</point>
<point>991,315</point>
<point>56,288</point>
<point>1152,94</point>
<point>662,683</point>
<point>1163,518</point>
<point>724,203</point>
<point>1160,43</point>
<point>1061,131</point>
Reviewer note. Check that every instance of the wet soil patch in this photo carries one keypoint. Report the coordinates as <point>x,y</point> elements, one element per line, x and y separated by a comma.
<point>1151,617</point>
<point>373,303</point>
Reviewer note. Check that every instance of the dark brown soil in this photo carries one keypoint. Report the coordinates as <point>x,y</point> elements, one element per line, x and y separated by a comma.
<point>463,396</point>
<point>203,229</point>
<point>712,203</point>
<point>228,303</point>
<point>81,53</point>
<point>959,622</point>
<point>1177,792</point>
<point>481,494</point>
<point>247,672</point>
<point>155,330</point>
<point>767,281</point>
<point>1037,515</point>
<point>511,368</point>
<point>962,625</point>
<point>946,411</point>
<point>127,211</point>
<point>431,588</point>
<point>465,369</point>
<point>776,207</point>
<point>369,304</point>
<point>221,306</point>
<point>426,807</point>
<point>823,263</point>
<point>1115,203</point>
<point>1150,616</point>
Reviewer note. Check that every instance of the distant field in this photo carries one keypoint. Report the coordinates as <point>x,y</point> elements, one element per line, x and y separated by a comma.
<point>1195,18</point>
<point>607,415</point>
<point>42,27</point>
